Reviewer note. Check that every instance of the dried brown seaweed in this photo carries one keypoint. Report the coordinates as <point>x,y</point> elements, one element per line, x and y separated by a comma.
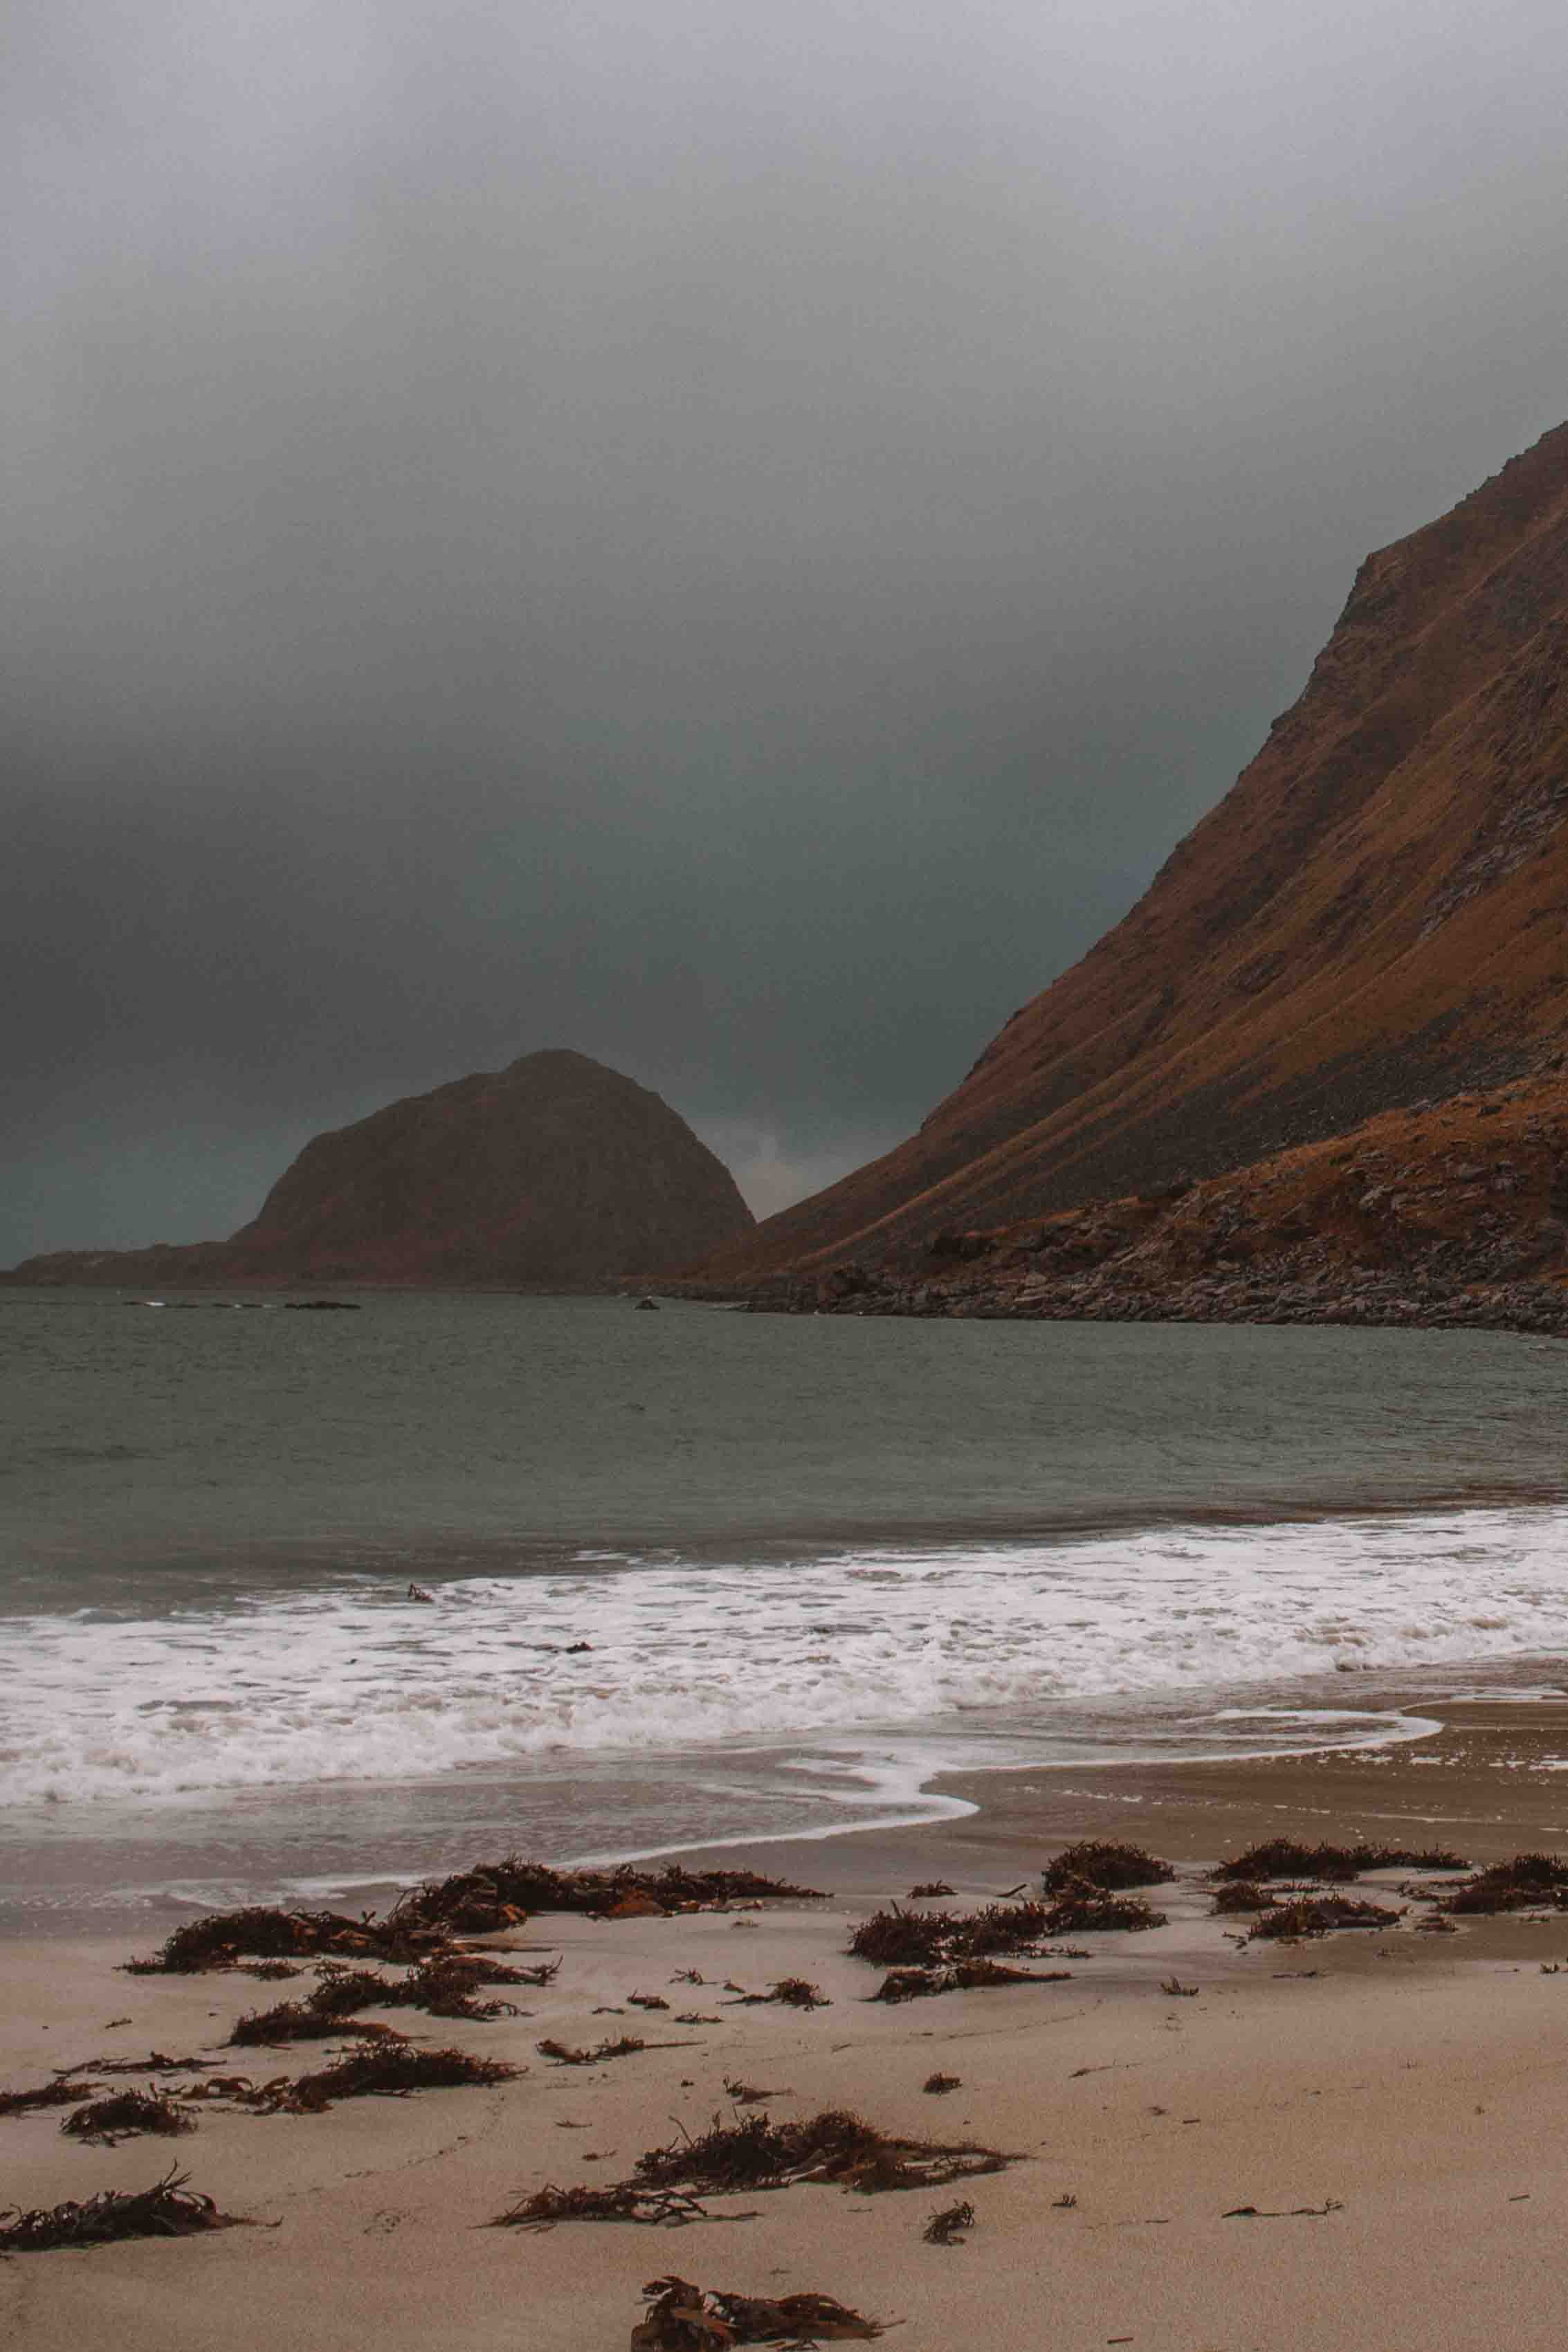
<point>484,1900</point>
<point>124,2114</point>
<point>1102,1863</point>
<point>624,2201</point>
<point>49,2094</point>
<point>167,2210</point>
<point>1529,1882</point>
<point>835,2146</point>
<point>788,1992</point>
<point>946,2227</point>
<point>565,2055</point>
<point>218,1940</point>
<point>899,1939</point>
<point>1240,1895</point>
<point>385,2070</point>
<point>1080,1909</point>
<point>928,1888</point>
<point>503,1893</point>
<point>963,1976</point>
<point>1320,1915</point>
<point>300,2020</point>
<point>1288,1858</point>
<point>445,1985</point>
<point>681,2317</point>
<point>154,2063</point>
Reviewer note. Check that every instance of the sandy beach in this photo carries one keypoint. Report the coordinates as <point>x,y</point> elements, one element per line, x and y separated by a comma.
<point>1389,2101</point>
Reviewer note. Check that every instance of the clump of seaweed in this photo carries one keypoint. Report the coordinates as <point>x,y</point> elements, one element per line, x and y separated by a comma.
<point>962,1976</point>
<point>125,2113</point>
<point>565,2055</point>
<point>1102,1863</point>
<point>387,2070</point>
<point>1527,1883</point>
<point>899,1939</point>
<point>485,1900</point>
<point>1080,1909</point>
<point>939,2085</point>
<point>946,2227</point>
<point>928,1888</point>
<point>269,1972</point>
<point>446,1985</point>
<point>1241,1895</point>
<point>167,2210</point>
<point>302,2020</point>
<point>681,2317</point>
<point>220,1940</point>
<point>48,2094</point>
<point>624,2201</point>
<point>501,1894</point>
<point>1329,1864</point>
<point>1318,1914</point>
<point>896,1938</point>
<point>835,2146</point>
<point>789,1992</point>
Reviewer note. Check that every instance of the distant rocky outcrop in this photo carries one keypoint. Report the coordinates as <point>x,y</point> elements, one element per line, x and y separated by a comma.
<point>1372,919</point>
<point>554,1170</point>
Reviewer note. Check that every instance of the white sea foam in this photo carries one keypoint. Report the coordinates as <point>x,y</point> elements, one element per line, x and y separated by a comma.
<point>354,1685</point>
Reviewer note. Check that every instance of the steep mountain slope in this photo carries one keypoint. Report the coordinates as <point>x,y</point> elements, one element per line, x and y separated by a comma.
<point>1372,916</point>
<point>553,1170</point>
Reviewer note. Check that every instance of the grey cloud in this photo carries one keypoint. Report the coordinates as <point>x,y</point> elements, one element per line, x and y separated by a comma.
<point>734,541</point>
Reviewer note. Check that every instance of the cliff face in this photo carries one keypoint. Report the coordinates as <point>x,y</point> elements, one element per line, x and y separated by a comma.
<point>554,1171</point>
<point>1372,917</point>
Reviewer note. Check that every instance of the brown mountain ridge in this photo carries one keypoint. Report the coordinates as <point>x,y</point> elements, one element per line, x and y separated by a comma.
<point>554,1170</point>
<point>1371,919</point>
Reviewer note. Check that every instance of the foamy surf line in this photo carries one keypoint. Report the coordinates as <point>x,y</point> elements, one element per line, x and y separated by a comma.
<point>630,1659</point>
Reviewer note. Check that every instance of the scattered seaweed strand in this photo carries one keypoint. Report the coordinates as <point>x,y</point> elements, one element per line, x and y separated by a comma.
<point>168,2210</point>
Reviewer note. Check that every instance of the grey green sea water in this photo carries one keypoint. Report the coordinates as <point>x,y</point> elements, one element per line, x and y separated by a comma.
<point>704,1575</point>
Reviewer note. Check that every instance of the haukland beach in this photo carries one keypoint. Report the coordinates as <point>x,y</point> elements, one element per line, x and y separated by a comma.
<point>862,1610</point>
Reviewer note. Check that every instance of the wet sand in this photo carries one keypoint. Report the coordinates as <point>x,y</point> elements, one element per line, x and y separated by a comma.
<point>1404,2090</point>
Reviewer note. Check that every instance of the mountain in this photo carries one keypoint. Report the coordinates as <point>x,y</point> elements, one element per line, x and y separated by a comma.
<point>1373,918</point>
<point>554,1171</point>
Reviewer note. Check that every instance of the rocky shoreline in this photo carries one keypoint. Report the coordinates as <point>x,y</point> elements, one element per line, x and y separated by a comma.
<point>1443,1216</point>
<point>1368,1300</point>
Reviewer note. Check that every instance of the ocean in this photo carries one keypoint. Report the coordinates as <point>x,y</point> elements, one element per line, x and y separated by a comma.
<point>703,1576</point>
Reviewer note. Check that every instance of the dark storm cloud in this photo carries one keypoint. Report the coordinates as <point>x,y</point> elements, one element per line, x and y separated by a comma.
<point>735,539</point>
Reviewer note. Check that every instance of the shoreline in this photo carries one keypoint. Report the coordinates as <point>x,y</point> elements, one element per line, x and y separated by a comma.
<point>1479,1769</point>
<point>1386,2101</point>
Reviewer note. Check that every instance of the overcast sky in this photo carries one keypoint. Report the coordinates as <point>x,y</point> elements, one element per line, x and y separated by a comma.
<point>732,537</point>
